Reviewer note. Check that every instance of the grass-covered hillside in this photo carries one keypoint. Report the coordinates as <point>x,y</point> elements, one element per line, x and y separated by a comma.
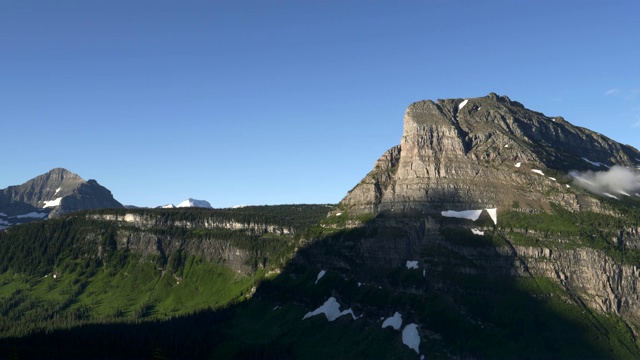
<point>82,269</point>
<point>461,294</point>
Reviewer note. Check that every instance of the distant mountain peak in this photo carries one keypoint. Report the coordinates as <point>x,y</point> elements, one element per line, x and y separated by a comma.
<point>195,203</point>
<point>55,192</point>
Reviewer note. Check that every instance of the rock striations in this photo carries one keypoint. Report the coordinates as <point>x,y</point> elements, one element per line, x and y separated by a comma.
<point>492,156</point>
<point>486,152</point>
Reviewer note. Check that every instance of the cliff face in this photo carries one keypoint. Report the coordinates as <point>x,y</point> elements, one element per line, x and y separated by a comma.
<point>134,237</point>
<point>148,222</point>
<point>479,153</point>
<point>493,153</point>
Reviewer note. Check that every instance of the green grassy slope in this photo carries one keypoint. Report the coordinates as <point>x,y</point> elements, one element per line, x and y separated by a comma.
<point>186,307</point>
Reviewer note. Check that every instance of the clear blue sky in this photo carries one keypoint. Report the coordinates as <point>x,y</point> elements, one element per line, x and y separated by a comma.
<point>276,102</point>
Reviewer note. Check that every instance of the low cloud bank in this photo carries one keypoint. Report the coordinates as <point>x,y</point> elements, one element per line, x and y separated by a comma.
<point>617,180</point>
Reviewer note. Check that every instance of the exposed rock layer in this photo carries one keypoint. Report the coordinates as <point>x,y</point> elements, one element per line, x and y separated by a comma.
<point>455,157</point>
<point>488,152</point>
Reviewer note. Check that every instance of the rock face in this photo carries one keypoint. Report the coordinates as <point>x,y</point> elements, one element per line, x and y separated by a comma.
<point>490,153</point>
<point>57,192</point>
<point>460,154</point>
<point>149,222</point>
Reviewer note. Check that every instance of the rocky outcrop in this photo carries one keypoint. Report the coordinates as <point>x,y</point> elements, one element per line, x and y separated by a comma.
<point>601,282</point>
<point>210,249</point>
<point>488,152</point>
<point>144,222</point>
<point>367,195</point>
<point>461,154</point>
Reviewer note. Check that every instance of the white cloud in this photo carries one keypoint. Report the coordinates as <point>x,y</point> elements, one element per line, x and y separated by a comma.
<point>617,180</point>
<point>611,92</point>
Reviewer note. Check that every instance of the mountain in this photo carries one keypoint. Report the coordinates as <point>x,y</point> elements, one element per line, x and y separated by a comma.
<point>194,203</point>
<point>56,192</point>
<point>487,208</point>
<point>487,152</point>
<point>491,232</point>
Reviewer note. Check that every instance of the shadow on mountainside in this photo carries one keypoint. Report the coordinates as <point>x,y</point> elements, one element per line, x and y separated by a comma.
<point>462,296</point>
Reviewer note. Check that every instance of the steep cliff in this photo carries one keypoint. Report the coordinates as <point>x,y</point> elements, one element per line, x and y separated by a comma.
<point>481,153</point>
<point>487,208</point>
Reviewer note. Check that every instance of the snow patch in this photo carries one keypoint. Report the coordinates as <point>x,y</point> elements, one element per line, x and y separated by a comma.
<point>394,321</point>
<point>624,193</point>
<point>412,264</point>
<point>57,190</point>
<point>518,164</point>
<point>32,215</point>
<point>330,309</point>
<point>567,185</point>
<point>506,146</point>
<point>465,214</point>
<point>594,163</point>
<point>552,178</point>
<point>320,275</point>
<point>411,338</point>
<point>494,215</point>
<point>471,214</point>
<point>538,171</point>
<point>52,203</point>
<point>611,196</point>
<point>477,232</point>
<point>168,206</point>
<point>462,104</point>
<point>195,203</point>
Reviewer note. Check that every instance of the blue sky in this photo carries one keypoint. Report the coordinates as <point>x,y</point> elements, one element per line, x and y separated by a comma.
<point>279,102</point>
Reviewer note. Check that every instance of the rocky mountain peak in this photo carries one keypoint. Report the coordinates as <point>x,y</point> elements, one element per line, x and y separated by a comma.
<point>459,154</point>
<point>55,192</point>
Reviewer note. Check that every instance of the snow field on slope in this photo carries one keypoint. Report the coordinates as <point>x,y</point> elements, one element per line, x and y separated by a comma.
<point>471,214</point>
<point>412,264</point>
<point>394,321</point>
<point>411,338</point>
<point>331,309</point>
<point>52,203</point>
